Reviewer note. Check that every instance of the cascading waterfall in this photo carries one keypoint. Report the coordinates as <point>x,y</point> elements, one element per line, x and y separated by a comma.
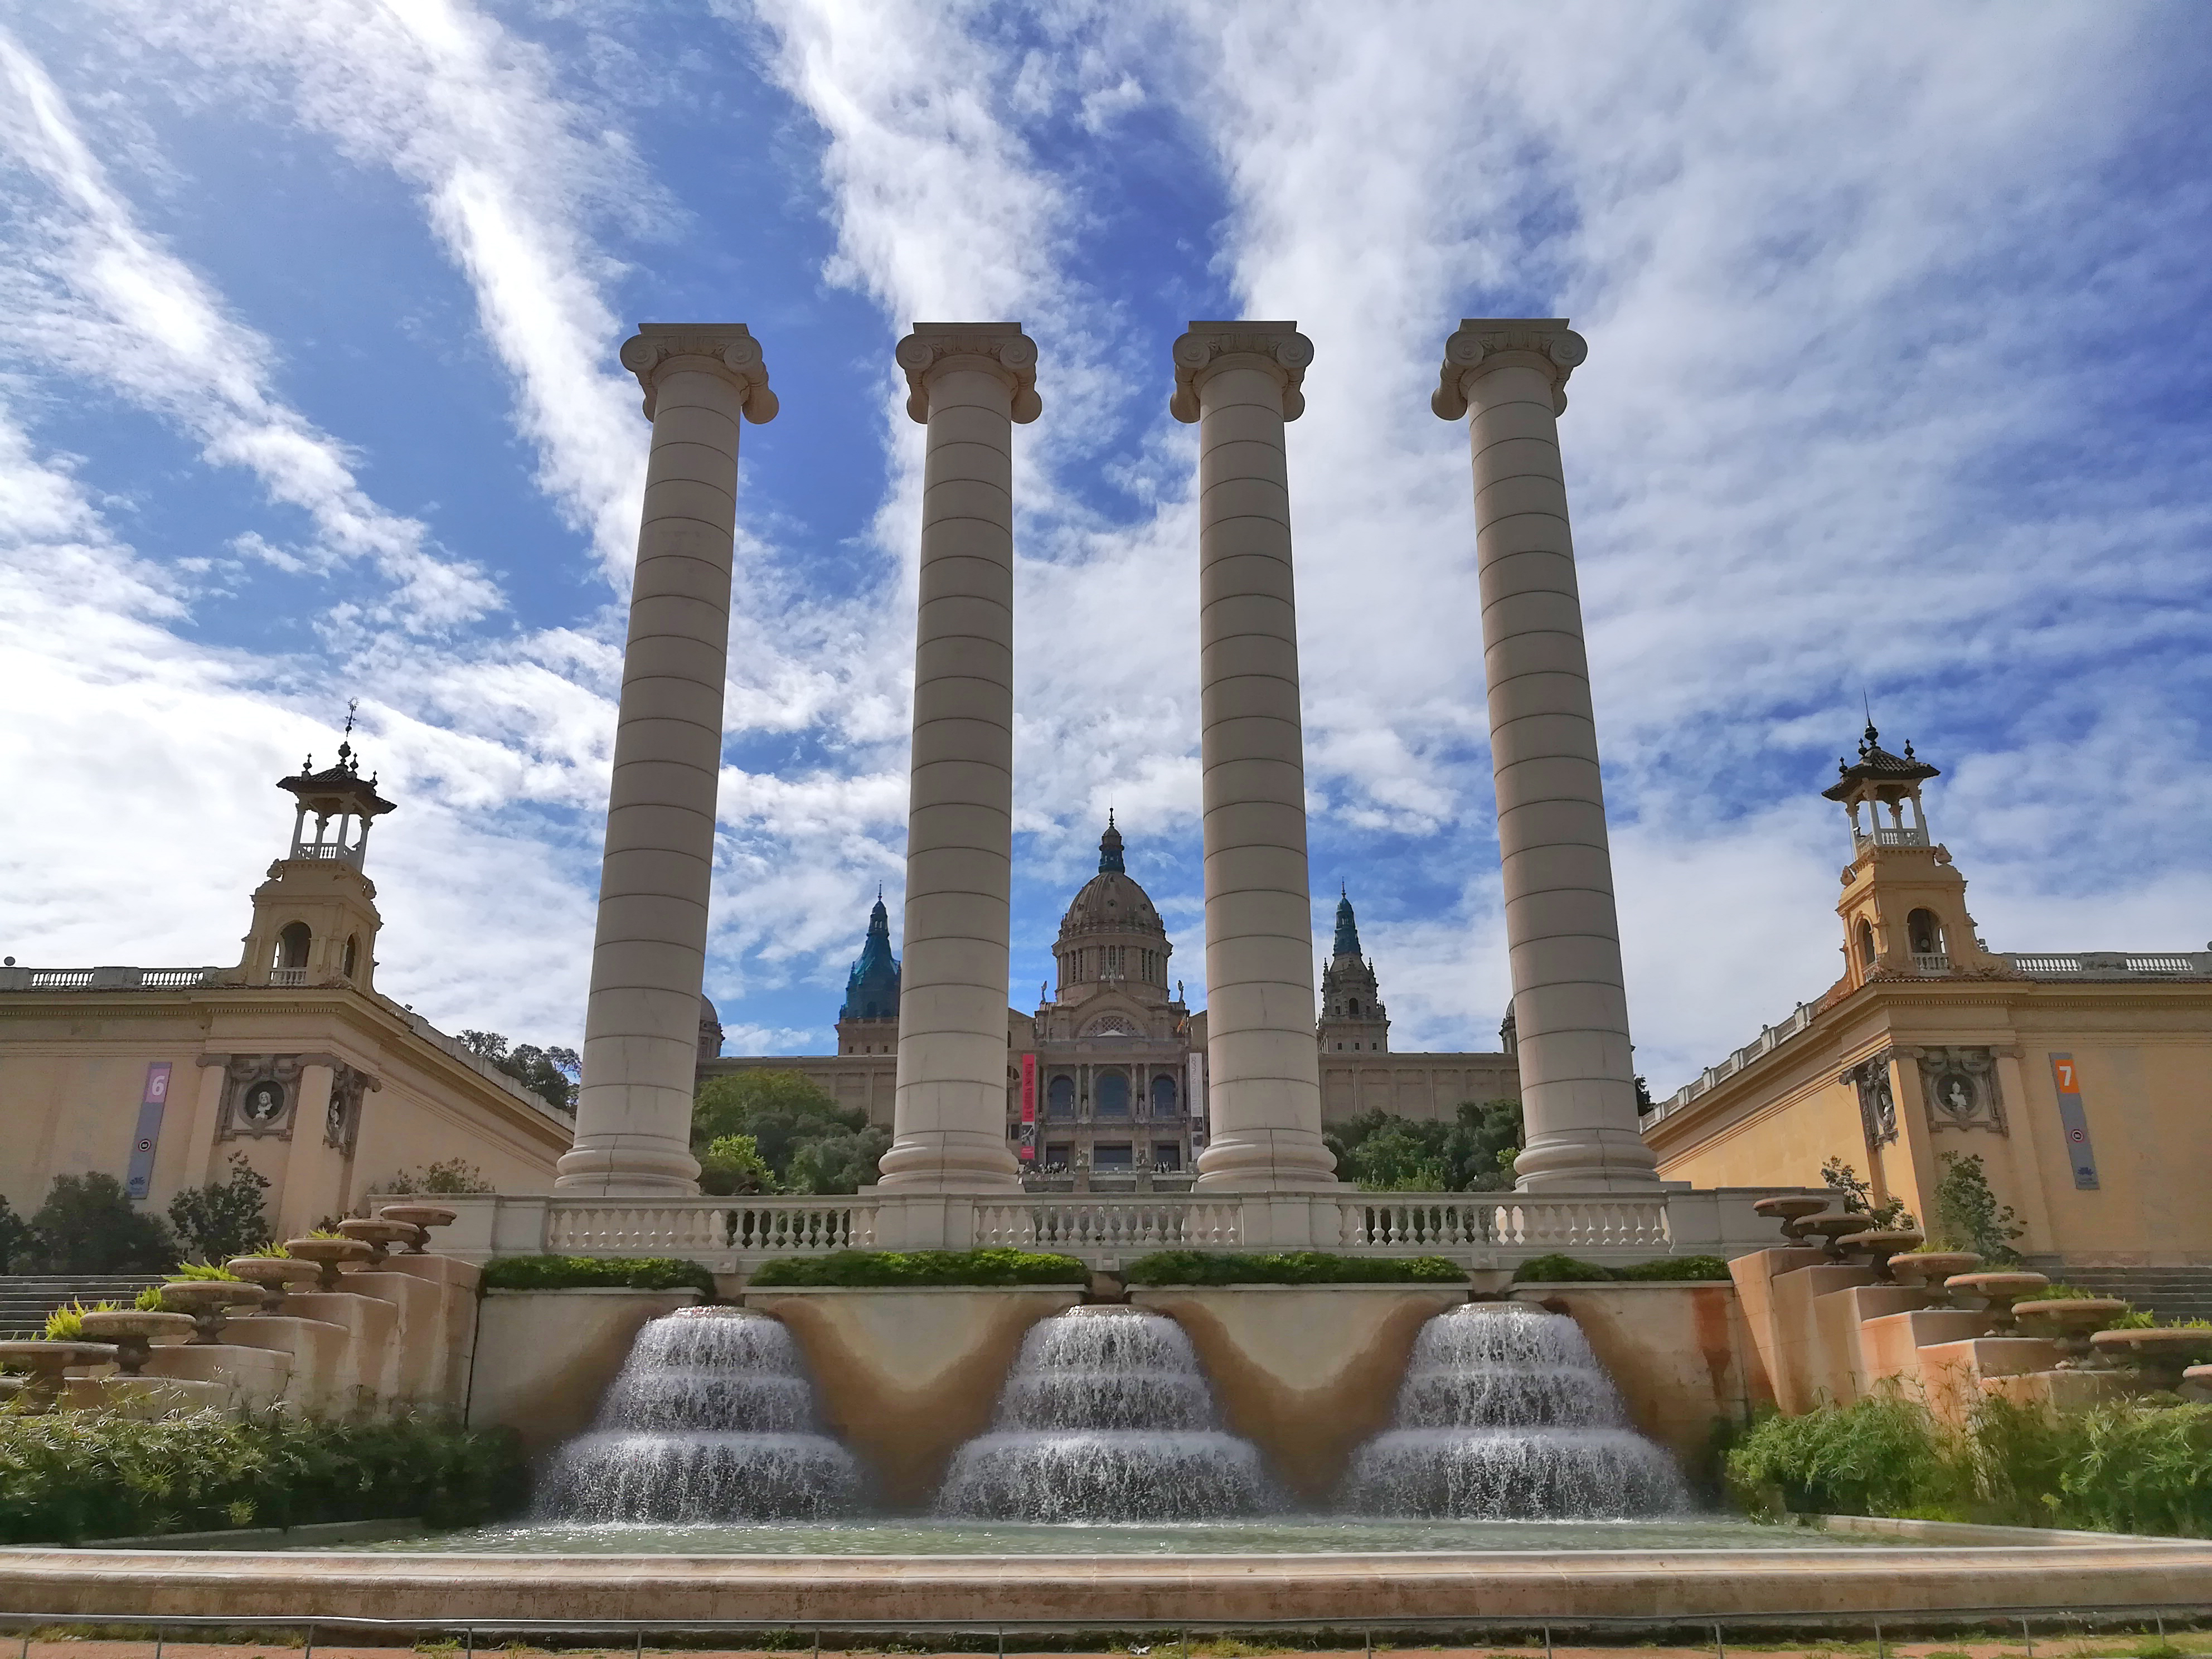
<point>1106,1416</point>
<point>712,1419</point>
<point>1505,1415</point>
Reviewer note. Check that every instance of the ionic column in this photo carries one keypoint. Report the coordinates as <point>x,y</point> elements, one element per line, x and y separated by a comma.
<point>642,1025</point>
<point>968,382</point>
<point>1577,1083</point>
<point>1239,381</point>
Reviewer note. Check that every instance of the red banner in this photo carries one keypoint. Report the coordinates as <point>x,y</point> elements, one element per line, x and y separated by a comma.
<point>1029,1108</point>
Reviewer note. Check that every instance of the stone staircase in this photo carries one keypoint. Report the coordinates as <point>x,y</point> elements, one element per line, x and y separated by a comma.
<point>2169,1293</point>
<point>26,1299</point>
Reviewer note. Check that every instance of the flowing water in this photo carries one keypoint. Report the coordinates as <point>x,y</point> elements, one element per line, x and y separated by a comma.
<point>1106,1417</point>
<point>712,1419</point>
<point>1505,1415</point>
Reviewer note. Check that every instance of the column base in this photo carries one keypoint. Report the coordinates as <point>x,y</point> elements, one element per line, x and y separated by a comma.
<point>1599,1160</point>
<point>631,1171</point>
<point>939,1161</point>
<point>1266,1161</point>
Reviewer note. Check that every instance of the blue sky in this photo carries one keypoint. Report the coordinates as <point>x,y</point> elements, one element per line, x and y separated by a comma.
<point>1898,386</point>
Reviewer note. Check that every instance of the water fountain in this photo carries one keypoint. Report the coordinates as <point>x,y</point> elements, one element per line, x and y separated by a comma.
<point>711,1420</point>
<point>1504,1414</point>
<point>1106,1417</point>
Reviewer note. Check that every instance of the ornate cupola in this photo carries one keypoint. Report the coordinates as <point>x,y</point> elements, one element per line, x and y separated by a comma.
<point>1904,905</point>
<point>867,1023</point>
<point>1352,1018</point>
<point>1112,937</point>
<point>315,921</point>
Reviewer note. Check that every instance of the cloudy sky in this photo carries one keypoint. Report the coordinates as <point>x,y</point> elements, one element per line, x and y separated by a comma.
<point>1898,388</point>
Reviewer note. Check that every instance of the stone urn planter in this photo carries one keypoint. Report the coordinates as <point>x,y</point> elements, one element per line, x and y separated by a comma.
<point>423,1216</point>
<point>275,1274</point>
<point>1826,1229</point>
<point>2070,1320</point>
<point>2162,1352</point>
<point>132,1331</point>
<point>1878,1245</point>
<point>47,1362</point>
<point>1790,1210</point>
<point>2000,1291</point>
<point>328,1254</point>
<point>2197,1382</point>
<point>381,1235</point>
<point>209,1300</point>
<point>1928,1269</point>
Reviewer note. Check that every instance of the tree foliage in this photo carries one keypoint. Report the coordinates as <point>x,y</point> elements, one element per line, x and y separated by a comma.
<point>808,1142</point>
<point>1967,1215</point>
<point>446,1176</point>
<point>88,1225</point>
<point>1473,1152</point>
<point>551,1074</point>
<point>731,1163</point>
<point>18,1240</point>
<point>222,1218</point>
<point>1844,1180</point>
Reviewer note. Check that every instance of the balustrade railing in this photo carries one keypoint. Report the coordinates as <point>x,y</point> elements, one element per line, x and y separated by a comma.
<point>710,1230</point>
<point>1513,1221</point>
<point>1079,1222</point>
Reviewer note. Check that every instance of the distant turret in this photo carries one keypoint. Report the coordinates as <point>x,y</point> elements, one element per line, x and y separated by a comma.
<point>868,1022</point>
<point>1352,1018</point>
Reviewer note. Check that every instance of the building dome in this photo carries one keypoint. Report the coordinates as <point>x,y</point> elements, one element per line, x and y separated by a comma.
<point>1112,933</point>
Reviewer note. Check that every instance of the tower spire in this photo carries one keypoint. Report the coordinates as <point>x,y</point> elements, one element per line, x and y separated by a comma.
<point>1109,849</point>
<point>1347,928</point>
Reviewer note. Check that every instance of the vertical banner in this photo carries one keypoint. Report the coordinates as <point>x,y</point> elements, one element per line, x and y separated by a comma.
<point>2074,1121</point>
<point>150,1102</point>
<point>1029,1108</point>
<point>1195,1091</point>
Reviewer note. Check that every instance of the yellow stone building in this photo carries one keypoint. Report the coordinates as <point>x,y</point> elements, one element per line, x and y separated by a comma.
<point>2083,1079</point>
<point>157,1076</point>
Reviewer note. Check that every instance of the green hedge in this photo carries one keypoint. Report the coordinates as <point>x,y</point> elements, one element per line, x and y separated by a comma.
<point>2135,1466</point>
<point>868,1269</point>
<point>1572,1270</point>
<point>573,1273</point>
<point>70,1475</point>
<point>1292,1267</point>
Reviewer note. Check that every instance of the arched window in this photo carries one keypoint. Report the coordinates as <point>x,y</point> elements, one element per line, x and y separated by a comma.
<point>1926,933</point>
<point>1866,944</point>
<point>1164,1096</point>
<point>352,954</point>
<point>1109,1095</point>
<point>292,945</point>
<point>1351,1007</point>
<point>1059,1097</point>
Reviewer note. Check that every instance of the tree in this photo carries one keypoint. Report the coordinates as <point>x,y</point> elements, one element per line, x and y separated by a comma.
<point>224,1218</point>
<point>784,1113</point>
<point>1844,1180</point>
<point>1482,1147</point>
<point>1967,1215</point>
<point>87,1225</point>
<point>18,1241</point>
<point>450,1175</point>
<point>1473,1152</point>
<point>551,1074</point>
<point>733,1163</point>
<point>841,1163</point>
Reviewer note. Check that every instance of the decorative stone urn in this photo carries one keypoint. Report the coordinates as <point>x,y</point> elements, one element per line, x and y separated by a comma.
<point>47,1362</point>
<point>423,1216</point>
<point>1791,1209</point>
<point>381,1235</point>
<point>209,1300</point>
<point>328,1254</point>
<point>2164,1353</point>
<point>1829,1227</point>
<point>132,1331</point>
<point>2197,1382</point>
<point>275,1274</point>
<point>1879,1244</point>
<point>2071,1319</point>
<point>2000,1291</point>
<point>1928,1269</point>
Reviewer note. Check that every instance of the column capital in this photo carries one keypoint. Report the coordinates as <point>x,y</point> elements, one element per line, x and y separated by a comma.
<point>1480,344</point>
<point>728,348</point>
<point>1277,347</point>
<point>1001,349</point>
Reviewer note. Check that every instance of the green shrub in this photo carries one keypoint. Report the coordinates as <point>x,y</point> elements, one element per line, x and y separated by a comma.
<point>2126,1466</point>
<point>190,1272</point>
<point>221,1219</point>
<point>575,1273</point>
<point>1291,1268</point>
<point>70,1475</point>
<point>1966,1210</point>
<point>889,1269</point>
<point>1571,1270</point>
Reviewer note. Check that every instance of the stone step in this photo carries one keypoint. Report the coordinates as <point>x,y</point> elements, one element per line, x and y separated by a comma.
<point>26,1299</point>
<point>2169,1293</point>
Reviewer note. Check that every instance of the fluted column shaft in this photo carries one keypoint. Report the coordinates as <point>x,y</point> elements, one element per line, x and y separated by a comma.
<point>1570,1012</point>
<point>968,383</point>
<point>1240,382</point>
<point>641,1024</point>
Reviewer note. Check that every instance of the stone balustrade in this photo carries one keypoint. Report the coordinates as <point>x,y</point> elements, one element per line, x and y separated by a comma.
<point>738,1235</point>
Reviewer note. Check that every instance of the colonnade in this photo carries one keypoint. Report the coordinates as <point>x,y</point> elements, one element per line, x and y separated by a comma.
<point>1240,382</point>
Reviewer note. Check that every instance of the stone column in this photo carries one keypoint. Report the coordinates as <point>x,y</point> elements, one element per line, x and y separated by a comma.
<point>1578,1085</point>
<point>642,1025</point>
<point>968,382</point>
<point>1239,381</point>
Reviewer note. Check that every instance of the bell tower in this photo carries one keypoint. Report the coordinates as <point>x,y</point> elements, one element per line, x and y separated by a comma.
<point>315,920</point>
<point>1904,905</point>
<point>1352,1018</point>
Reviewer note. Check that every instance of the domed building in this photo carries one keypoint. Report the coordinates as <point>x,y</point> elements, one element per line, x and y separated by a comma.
<point>1107,1077</point>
